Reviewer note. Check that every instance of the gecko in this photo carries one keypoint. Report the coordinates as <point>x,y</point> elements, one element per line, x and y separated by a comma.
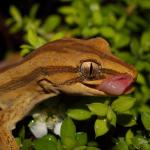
<point>68,65</point>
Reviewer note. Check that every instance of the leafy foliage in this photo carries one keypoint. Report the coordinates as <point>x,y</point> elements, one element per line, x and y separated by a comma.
<point>70,139</point>
<point>125,24</point>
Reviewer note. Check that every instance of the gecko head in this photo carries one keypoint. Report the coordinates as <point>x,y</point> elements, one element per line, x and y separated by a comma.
<point>95,70</point>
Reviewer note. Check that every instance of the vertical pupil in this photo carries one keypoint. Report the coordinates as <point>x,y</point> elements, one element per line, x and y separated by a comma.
<point>91,69</point>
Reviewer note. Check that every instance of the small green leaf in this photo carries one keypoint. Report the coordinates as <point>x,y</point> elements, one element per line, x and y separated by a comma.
<point>121,22</point>
<point>140,142</point>
<point>96,14</point>
<point>92,148</point>
<point>128,137</point>
<point>123,104</point>
<point>69,143</point>
<point>144,108</point>
<point>22,133</point>
<point>81,138</point>
<point>81,148</point>
<point>79,114</point>
<point>101,127</point>
<point>26,144</point>
<point>127,119</point>
<point>120,145</point>
<point>51,23</point>
<point>68,129</point>
<point>67,10</point>
<point>111,117</point>
<point>99,109</point>
<point>59,145</point>
<point>141,79</point>
<point>15,14</point>
<point>57,36</point>
<point>145,117</point>
<point>34,10</point>
<point>41,41</point>
<point>107,32</point>
<point>121,40</point>
<point>135,46</point>
<point>32,38</point>
<point>46,142</point>
<point>18,141</point>
<point>92,144</point>
<point>126,56</point>
<point>15,28</point>
<point>145,41</point>
<point>24,52</point>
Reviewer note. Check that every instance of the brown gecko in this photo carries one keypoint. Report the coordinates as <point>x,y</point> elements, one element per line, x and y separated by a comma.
<point>74,66</point>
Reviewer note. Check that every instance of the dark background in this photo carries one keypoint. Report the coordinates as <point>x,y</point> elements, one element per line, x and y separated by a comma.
<point>12,42</point>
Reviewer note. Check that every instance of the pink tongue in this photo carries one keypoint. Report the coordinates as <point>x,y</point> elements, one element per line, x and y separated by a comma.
<point>116,85</point>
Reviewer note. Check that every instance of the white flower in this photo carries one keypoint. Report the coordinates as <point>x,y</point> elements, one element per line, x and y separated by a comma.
<point>38,128</point>
<point>57,128</point>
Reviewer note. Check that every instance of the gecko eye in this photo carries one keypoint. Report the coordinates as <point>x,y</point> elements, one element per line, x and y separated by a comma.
<point>90,70</point>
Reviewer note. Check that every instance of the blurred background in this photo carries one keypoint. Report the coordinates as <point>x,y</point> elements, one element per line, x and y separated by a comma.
<point>12,41</point>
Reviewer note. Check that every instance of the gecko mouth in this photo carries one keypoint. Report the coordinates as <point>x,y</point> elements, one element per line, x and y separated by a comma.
<point>115,85</point>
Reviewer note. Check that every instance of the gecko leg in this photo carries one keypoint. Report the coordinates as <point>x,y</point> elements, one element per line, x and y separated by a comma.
<point>7,141</point>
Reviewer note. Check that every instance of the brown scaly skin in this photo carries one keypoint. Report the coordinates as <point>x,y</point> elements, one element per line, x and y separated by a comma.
<point>49,70</point>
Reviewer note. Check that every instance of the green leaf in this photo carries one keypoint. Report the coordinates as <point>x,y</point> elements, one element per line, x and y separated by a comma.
<point>34,10</point>
<point>140,142</point>
<point>81,138</point>
<point>92,148</point>
<point>123,104</point>
<point>22,133</point>
<point>135,46</point>
<point>51,23</point>
<point>59,145</point>
<point>68,126</point>
<point>92,144</point>
<point>144,108</point>
<point>99,109</point>
<point>121,40</point>
<point>145,117</point>
<point>141,79</point>
<point>107,31</point>
<point>120,145</point>
<point>24,52</point>
<point>68,129</point>
<point>127,57</point>
<point>111,117</point>
<point>67,10</point>
<point>129,136</point>
<point>69,143</point>
<point>15,14</point>
<point>18,141</point>
<point>26,144</point>
<point>127,119</point>
<point>57,36</point>
<point>81,148</point>
<point>121,22</point>
<point>15,28</point>
<point>32,38</point>
<point>101,127</point>
<point>142,66</point>
<point>79,114</point>
<point>46,142</point>
<point>144,4</point>
<point>145,41</point>
<point>96,14</point>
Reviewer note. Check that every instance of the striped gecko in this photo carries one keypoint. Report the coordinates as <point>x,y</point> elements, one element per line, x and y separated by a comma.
<point>73,66</point>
